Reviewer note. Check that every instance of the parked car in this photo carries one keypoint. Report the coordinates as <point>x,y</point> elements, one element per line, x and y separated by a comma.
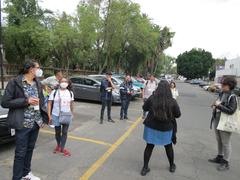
<point>187,80</point>
<point>206,87</point>
<point>88,88</point>
<point>6,134</point>
<point>196,81</point>
<point>138,83</point>
<point>117,81</point>
<point>203,83</point>
<point>182,78</point>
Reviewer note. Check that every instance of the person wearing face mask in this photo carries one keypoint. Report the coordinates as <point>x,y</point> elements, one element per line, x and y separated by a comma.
<point>53,81</point>
<point>126,90</point>
<point>24,98</point>
<point>225,103</point>
<point>61,101</point>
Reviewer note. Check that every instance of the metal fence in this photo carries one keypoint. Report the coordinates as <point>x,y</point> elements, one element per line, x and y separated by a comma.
<point>11,70</point>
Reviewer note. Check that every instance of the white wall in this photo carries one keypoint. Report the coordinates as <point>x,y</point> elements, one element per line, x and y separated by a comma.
<point>232,68</point>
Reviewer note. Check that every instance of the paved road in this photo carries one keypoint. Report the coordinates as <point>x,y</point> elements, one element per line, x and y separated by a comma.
<point>114,151</point>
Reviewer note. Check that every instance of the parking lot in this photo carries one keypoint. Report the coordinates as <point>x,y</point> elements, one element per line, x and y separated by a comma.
<point>115,151</point>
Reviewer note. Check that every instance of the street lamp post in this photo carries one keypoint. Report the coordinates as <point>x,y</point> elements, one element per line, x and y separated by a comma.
<point>1,47</point>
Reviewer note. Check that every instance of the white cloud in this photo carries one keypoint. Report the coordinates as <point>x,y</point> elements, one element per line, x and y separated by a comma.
<point>209,24</point>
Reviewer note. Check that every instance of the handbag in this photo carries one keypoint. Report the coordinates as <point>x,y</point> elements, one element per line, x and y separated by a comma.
<point>64,117</point>
<point>230,123</point>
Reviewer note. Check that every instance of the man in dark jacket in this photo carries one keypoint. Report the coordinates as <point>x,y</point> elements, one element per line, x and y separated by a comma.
<point>24,99</point>
<point>126,90</point>
<point>106,89</point>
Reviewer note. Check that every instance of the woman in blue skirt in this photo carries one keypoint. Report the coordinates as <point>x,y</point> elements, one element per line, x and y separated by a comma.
<point>160,124</point>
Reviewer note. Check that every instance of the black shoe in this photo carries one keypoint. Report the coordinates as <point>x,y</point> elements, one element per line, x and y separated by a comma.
<point>110,120</point>
<point>217,160</point>
<point>121,118</point>
<point>145,171</point>
<point>224,166</point>
<point>173,168</point>
<point>126,118</point>
<point>101,121</point>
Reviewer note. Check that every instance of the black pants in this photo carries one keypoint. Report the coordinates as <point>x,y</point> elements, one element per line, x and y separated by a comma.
<point>144,112</point>
<point>107,103</point>
<point>61,135</point>
<point>148,153</point>
<point>124,108</point>
<point>25,142</point>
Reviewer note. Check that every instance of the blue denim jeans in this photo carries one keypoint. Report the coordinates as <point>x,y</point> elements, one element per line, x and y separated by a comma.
<point>124,108</point>
<point>25,142</point>
<point>107,103</point>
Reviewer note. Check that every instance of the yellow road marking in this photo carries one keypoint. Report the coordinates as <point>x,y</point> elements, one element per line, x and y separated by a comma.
<point>131,122</point>
<point>108,153</point>
<point>79,138</point>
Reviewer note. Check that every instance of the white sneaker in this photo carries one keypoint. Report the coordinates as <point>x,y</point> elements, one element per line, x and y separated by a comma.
<point>30,176</point>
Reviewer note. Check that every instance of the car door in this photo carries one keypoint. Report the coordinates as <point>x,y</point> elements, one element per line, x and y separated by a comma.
<point>77,85</point>
<point>93,89</point>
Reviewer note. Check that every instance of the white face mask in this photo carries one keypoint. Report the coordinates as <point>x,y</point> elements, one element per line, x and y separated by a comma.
<point>64,85</point>
<point>39,73</point>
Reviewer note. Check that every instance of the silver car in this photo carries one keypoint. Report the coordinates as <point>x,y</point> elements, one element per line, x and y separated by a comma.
<point>117,81</point>
<point>88,88</point>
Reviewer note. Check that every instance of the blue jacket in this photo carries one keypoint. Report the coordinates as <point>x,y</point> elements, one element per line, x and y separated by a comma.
<point>105,94</point>
<point>126,88</point>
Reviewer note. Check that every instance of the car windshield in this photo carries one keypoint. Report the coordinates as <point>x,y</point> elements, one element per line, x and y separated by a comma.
<point>121,78</point>
<point>98,78</point>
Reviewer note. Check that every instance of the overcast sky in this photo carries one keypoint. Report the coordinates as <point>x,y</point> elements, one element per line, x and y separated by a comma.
<point>209,24</point>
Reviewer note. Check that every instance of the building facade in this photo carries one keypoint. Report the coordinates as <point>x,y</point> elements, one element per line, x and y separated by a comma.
<point>231,68</point>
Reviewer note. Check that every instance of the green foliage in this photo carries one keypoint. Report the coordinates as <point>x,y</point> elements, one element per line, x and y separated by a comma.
<point>104,34</point>
<point>195,63</point>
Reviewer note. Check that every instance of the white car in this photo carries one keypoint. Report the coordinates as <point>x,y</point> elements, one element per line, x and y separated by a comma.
<point>206,88</point>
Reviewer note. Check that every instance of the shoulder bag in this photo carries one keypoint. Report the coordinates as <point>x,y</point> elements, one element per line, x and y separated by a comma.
<point>64,117</point>
<point>230,123</point>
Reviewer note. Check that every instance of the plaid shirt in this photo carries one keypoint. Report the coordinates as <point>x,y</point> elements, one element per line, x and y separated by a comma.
<point>31,116</point>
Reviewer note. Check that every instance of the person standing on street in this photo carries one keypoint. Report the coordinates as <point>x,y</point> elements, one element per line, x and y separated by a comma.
<point>160,124</point>
<point>24,98</point>
<point>53,81</point>
<point>174,90</point>
<point>149,88</point>
<point>126,89</point>
<point>226,103</point>
<point>106,89</point>
<point>60,102</point>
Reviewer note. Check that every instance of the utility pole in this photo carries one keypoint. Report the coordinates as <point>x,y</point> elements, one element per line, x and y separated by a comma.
<point>1,47</point>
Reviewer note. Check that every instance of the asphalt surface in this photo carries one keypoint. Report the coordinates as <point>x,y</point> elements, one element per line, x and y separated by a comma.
<point>115,151</point>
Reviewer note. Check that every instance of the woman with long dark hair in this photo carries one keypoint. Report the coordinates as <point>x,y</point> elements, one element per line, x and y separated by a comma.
<point>160,124</point>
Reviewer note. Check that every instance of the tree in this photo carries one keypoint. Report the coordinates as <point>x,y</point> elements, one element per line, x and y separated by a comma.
<point>103,34</point>
<point>25,36</point>
<point>195,63</point>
